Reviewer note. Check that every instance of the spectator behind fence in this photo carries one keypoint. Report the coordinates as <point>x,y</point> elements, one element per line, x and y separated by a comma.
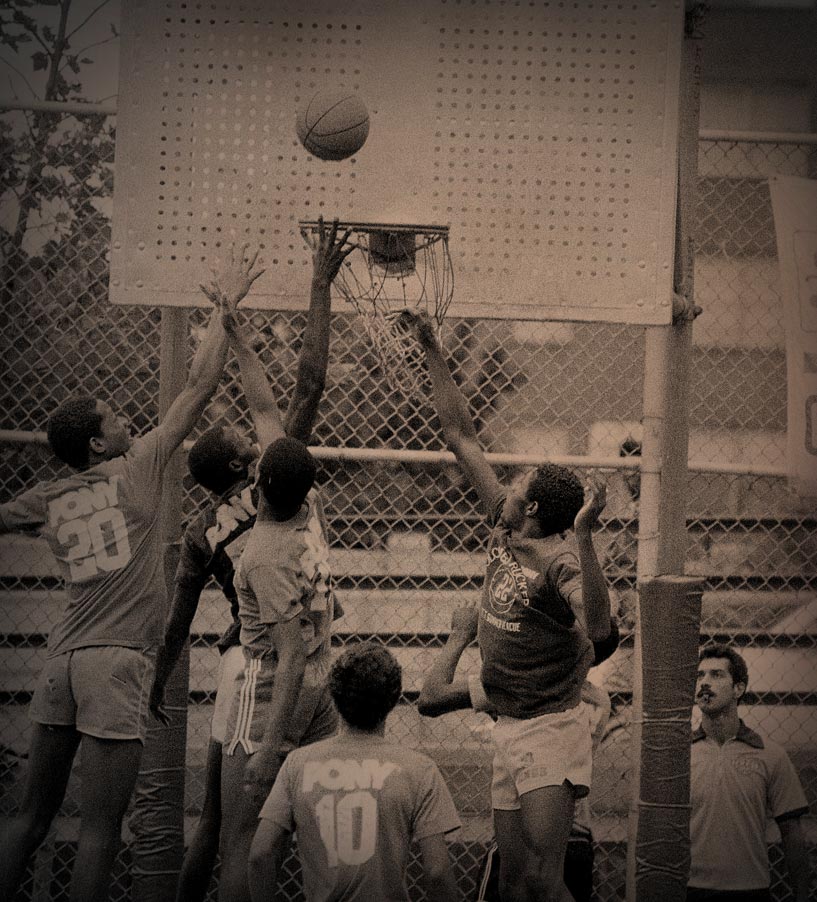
<point>357,800</point>
<point>102,525</point>
<point>739,781</point>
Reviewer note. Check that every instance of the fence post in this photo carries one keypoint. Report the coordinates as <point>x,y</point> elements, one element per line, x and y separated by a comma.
<point>662,539</point>
<point>158,810</point>
<point>671,616</point>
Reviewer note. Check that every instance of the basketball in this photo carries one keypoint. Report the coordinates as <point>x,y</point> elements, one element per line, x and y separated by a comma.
<point>333,125</point>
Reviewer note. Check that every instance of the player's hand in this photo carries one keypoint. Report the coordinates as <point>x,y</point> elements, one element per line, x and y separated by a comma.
<point>464,621</point>
<point>156,704</point>
<point>232,282</point>
<point>328,251</point>
<point>418,324</point>
<point>595,497</point>
<point>260,773</point>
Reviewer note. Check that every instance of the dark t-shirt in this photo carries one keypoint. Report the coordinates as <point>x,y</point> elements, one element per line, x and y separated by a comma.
<point>212,544</point>
<point>532,637</point>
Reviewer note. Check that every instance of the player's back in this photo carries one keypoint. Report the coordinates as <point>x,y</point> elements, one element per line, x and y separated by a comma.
<point>102,526</point>
<point>357,802</point>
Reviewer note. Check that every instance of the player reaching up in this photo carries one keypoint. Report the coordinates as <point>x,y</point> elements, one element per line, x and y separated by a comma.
<point>542,607</point>
<point>102,525</point>
<point>286,606</point>
<point>222,460</point>
<point>357,800</point>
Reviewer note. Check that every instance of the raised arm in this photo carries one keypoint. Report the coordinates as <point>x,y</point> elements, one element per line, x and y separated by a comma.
<point>264,410</point>
<point>328,254</point>
<point>440,692</point>
<point>595,595</point>
<point>202,381</point>
<point>208,363</point>
<point>458,427</point>
<point>257,389</point>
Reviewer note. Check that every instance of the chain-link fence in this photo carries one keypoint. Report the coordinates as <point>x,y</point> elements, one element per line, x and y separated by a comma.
<point>407,536</point>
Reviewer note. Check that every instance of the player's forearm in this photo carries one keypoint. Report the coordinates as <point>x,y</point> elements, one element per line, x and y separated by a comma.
<point>263,879</point>
<point>442,887</point>
<point>208,361</point>
<point>441,676</point>
<point>262,870</point>
<point>257,389</point>
<point>595,595</point>
<point>449,401</point>
<point>312,362</point>
<point>289,678</point>
<point>182,611</point>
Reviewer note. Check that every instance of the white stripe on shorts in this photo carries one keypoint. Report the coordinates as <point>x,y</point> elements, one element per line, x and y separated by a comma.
<point>246,709</point>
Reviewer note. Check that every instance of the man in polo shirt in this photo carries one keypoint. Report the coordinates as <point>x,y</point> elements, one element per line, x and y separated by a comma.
<point>739,781</point>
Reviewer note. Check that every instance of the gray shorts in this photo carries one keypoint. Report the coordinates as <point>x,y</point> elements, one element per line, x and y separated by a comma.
<point>102,691</point>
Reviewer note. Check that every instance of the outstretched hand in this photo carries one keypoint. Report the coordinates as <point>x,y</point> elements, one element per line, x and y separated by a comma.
<point>328,251</point>
<point>595,497</point>
<point>232,282</point>
<point>418,324</point>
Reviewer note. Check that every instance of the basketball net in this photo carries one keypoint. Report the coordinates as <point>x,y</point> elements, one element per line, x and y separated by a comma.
<point>395,268</point>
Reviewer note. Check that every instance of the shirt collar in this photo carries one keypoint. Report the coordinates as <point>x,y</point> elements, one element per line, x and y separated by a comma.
<point>744,735</point>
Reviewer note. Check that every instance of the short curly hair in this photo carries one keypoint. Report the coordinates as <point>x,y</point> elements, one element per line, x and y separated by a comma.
<point>365,683</point>
<point>209,460</point>
<point>70,427</point>
<point>286,473</point>
<point>559,495</point>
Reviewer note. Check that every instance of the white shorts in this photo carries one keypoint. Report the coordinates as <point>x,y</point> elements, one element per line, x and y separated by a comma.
<point>230,664</point>
<point>541,751</point>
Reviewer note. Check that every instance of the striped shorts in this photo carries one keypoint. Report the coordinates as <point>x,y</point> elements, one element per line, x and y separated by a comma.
<point>314,716</point>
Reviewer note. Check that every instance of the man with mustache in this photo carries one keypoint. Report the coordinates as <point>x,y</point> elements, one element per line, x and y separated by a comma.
<point>739,781</point>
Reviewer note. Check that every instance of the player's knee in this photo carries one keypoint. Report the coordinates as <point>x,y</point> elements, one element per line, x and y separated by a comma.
<point>512,885</point>
<point>543,877</point>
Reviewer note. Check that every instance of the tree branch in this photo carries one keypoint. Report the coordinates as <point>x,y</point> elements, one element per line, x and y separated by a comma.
<point>18,72</point>
<point>95,44</point>
<point>87,18</point>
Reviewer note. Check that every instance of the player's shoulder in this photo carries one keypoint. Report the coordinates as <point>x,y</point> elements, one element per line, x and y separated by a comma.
<point>314,751</point>
<point>560,553</point>
<point>142,446</point>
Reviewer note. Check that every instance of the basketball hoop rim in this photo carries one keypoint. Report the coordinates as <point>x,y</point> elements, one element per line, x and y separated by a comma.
<point>370,227</point>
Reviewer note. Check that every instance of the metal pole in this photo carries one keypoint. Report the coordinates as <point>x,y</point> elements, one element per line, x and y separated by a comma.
<point>158,810</point>
<point>662,536</point>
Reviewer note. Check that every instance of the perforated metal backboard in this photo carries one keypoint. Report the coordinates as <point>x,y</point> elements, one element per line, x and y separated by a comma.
<point>543,134</point>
